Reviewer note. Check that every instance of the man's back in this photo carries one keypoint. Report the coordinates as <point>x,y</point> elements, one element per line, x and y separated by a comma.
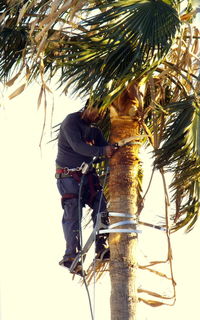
<point>78,142</point>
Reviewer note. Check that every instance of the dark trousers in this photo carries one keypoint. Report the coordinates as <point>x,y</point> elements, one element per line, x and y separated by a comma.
<point>71,218</point>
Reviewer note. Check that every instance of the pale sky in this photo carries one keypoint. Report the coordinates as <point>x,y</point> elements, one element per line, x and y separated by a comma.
<point>33,285</point>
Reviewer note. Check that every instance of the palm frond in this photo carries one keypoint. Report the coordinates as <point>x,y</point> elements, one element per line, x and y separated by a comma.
<point>12,44</point>
<point>29,25</point>
<point>180,153</point>
<point>131,38</point>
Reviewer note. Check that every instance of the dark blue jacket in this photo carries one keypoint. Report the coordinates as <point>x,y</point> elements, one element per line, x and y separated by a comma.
<point>74,142</point>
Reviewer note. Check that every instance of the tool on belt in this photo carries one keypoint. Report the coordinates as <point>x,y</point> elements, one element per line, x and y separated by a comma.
<point>77,173</point>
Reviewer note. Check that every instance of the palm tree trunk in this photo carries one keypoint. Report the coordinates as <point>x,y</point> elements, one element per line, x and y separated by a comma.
<point>124,198</point>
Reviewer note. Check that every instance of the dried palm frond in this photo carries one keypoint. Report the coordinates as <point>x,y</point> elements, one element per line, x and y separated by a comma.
<point>28,25</point>
<point>98,268</point>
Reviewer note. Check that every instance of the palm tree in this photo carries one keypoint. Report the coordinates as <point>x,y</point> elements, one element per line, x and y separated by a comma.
<point>139,60</point>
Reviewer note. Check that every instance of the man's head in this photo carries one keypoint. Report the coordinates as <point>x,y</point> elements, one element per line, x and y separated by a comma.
<point>91,115</point>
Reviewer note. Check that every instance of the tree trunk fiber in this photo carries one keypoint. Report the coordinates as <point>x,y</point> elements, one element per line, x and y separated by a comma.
<point>124,191</point>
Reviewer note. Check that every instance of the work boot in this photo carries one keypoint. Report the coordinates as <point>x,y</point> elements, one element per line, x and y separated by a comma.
<point>67,264</point>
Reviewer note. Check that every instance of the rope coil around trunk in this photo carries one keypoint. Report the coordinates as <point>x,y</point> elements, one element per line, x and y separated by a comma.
<point>112,227</point>
<point>134,221</point>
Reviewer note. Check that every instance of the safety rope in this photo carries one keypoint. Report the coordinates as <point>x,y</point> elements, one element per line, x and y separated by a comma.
<point>112,227</point>
<point>92,310</point>
<point>98,217</point>
<point>81,242</point>
<point>126,222</point>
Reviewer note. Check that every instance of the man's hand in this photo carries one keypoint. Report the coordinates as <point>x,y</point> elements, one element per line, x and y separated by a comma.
<point>110,150</point>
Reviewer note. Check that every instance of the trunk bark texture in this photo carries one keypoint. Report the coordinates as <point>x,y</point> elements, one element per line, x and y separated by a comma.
<point>124,198</point>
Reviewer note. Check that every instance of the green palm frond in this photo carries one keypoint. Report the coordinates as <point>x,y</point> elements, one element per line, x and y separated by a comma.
<point>118,45</point>
<point>29,25</point>
<point>14,34</point>
<point>182,133</point>
<point>12,44</point>
<point>180,153</point>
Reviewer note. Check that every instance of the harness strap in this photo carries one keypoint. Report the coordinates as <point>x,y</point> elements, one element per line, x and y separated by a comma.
<point>68,196</point>
<point>76,175</point>
<point>61,170</point>
<point>93,183</point>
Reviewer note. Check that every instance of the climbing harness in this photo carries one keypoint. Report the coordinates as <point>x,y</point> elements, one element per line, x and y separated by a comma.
<point>64,172</point>
<point>77,173</point>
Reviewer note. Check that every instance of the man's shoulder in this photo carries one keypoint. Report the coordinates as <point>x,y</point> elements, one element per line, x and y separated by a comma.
<point>74,116</point>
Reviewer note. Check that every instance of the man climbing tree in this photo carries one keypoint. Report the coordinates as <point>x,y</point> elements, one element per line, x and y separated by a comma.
<point>139,59</point>
<point>78,143</point>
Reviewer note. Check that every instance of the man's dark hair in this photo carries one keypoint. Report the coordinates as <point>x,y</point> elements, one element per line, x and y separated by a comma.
<point>95,104</point>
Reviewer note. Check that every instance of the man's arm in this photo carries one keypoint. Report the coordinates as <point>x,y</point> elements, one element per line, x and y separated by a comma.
<point>72,134</point>
<point>101,141</point>
<point>95,135</point>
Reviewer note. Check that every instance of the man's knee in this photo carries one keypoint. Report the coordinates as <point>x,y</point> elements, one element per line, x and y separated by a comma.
<point>71,211</point>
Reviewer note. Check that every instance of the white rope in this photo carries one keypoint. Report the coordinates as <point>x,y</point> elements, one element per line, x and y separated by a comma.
<point>111,227</point>
<point>126,215</point>
<point>120,214</point>
<point>121,223</point>
<point>120,231</point>
<point>98,223</point>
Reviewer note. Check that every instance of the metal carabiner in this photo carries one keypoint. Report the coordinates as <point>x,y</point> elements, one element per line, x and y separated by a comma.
<point>66,170</point>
